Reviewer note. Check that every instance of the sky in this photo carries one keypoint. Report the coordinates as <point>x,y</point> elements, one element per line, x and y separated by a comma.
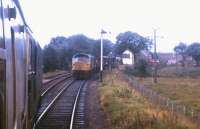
<point>175,20</point>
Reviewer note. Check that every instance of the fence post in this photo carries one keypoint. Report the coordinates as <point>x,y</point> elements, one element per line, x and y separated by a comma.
<point>184,110</point>
<point>192,113</point>
<point>163,101</point>
<point>158,96</point>
<point>151,96</point>
<point>167,102</point>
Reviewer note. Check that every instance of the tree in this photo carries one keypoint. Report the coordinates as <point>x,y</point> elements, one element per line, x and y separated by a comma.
<point>182,50</point>
<point>49,58</point>
<point>132,41</point>
<point>194,51</point>
<point>58,53</point>
<point>80,43</point>
<point>141,69</point>
<point>107,47</point>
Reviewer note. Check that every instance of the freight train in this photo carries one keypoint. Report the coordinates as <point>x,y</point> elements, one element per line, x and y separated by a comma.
<point>20,68</point>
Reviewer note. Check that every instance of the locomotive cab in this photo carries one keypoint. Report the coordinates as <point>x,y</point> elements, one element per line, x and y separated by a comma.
<point>82,65</point>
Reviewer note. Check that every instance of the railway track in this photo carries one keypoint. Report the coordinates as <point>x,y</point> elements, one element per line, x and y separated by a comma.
<point>52,78</point>
<point>49,94</point>
<point>54,81</point>
<point>65,110</point>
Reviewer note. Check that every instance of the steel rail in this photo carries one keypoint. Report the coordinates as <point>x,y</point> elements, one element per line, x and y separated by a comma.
<point>56,77</point>
<point>47,90</point>
<point>51,104</point>
<point>75,105</point>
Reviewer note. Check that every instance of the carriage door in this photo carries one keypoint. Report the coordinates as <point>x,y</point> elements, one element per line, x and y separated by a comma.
<point>2,74</point>
<point>2,93</point>
<point>32,78</point>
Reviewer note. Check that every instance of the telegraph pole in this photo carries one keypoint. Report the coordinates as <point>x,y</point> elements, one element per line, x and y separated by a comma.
<point>155,57</point>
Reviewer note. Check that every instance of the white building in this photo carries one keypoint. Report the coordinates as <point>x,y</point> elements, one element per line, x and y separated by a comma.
<point>128,57</point>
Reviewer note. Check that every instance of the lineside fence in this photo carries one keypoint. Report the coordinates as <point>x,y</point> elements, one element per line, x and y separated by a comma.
<point>163,102</point>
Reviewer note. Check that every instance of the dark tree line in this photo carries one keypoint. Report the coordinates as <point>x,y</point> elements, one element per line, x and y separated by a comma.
<point>58,53</point>
<point>192,50</point>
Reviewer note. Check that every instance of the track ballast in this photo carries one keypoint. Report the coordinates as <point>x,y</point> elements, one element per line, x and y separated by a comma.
<point>61,112</point>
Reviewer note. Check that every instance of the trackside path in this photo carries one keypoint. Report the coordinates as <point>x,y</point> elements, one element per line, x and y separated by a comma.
<point>96,116</point>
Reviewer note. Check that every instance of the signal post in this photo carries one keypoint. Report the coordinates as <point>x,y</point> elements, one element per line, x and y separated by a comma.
<point>101,66</point>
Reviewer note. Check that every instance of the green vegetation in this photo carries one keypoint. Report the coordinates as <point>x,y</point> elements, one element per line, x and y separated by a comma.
<point>182,50</point>
<point>173,71</point>
<point>132,41</point>
<point>58,54</point>
<point>182,90</point>
<point>140,69</point>
<point>180,84</point>
<point>192,50</point>
<point>127,109</point>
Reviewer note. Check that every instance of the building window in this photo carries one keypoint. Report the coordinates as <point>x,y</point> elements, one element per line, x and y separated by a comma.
<point>126,56</point>
<point>2,93</point>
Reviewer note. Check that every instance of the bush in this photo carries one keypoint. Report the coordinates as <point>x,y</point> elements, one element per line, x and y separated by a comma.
<point>123,92</point>
<point>141,69</point>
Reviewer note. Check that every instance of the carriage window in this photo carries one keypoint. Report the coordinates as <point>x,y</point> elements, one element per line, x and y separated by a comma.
<point>32,65</point>
<point>1,28</point>
<point>2,92</point>
<point>32,77</point>
<point>33,56</point>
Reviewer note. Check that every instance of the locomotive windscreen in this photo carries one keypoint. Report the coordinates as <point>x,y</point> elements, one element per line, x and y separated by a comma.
<point>81,58</point>
<point>81,55</point>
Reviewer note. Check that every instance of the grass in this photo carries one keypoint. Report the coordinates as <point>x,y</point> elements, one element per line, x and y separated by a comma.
<point>173,71</point>
<point>185,91</point>
<point>127,109</point>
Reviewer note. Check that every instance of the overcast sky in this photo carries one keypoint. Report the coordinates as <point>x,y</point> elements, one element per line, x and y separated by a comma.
<point>176,20</point>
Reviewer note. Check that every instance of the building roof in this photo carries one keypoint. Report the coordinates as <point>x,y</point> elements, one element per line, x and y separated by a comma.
<point>168,56</point>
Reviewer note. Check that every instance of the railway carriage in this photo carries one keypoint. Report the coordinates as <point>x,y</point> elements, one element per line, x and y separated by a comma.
<point>20,68</point>
<point>82,65</point>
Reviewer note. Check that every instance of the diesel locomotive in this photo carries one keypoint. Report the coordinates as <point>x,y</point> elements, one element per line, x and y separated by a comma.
<point>83,65</point>
<point>20,68</point>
